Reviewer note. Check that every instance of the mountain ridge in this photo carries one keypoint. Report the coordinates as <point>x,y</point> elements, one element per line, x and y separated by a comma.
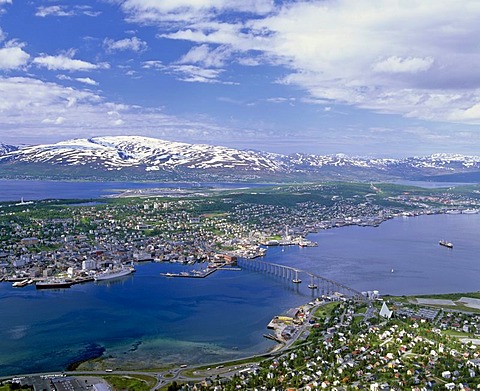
<point>133,156</point>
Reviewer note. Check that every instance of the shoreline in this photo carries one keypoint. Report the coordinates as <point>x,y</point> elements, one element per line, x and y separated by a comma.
<point>332,227</point>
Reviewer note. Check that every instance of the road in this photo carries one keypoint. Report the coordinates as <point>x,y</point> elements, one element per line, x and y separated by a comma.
<point>223,369</point>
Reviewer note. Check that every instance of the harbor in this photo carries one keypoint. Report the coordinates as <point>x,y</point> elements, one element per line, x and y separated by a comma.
<point>202,273</point>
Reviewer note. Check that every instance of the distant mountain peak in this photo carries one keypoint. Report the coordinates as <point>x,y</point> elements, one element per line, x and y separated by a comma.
<point>139,156</point>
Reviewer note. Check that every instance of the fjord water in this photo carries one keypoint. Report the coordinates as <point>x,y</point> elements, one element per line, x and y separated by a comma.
<point>14,189</point>
<point>146,319</point>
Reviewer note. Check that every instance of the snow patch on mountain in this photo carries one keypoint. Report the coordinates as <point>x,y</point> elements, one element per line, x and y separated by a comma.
<point>149,154</point>
<point>5,148</point>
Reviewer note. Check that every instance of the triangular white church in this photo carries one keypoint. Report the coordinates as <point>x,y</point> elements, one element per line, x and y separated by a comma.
<point>385,312</point>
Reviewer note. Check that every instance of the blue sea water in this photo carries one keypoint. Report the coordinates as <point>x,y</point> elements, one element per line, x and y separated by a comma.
<point>14,190</point>
<point>146,320</point>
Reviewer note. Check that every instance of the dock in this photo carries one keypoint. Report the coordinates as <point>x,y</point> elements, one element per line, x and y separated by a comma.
<point>200,274</point>
<point>273,337</point>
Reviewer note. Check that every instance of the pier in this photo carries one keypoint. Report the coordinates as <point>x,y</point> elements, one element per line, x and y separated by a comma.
<point>202,273</point>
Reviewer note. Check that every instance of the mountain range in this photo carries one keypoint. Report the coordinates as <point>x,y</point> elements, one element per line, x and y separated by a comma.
<point>143,158</point>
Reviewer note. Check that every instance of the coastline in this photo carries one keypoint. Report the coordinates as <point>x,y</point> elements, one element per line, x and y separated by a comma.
<point>346,223</point>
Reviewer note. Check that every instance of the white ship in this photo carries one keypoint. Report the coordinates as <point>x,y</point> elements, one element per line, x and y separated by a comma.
<point>21,283</point>
<point>114,273</point>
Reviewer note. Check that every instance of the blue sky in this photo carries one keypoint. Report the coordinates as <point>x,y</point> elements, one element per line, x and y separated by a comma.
<point>360,77</point>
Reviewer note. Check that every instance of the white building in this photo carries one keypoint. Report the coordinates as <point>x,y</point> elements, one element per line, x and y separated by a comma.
<point>89,264</point>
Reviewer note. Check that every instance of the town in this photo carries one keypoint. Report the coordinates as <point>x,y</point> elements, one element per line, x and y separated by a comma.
<point>334,343</point>
<point>406,347</point>
<point>58,241</point>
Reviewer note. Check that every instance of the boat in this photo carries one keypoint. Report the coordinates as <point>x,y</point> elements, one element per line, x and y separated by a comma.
<point>19,284</point>
<point>53,283</point>
<point>113,273</point>
<point>307,243</point>
<point>445,244</point>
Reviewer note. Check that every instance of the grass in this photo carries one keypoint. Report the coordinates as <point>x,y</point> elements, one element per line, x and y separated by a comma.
<point>131,383</point>
<point>14,387</point>
<point>450,296</point>
<point>457,334</point>
<point>458,306</point>
<point>326,309</point>
<point>361,310</point>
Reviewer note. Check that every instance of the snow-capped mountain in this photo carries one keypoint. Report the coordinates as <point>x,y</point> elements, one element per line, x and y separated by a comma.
<point>149,154</point>
<point>4,148</point>
<point>149,158</point>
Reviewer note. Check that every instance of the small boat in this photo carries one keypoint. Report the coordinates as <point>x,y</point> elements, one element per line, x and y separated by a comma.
<point>19,284</point>
<point>312,286</point>
<point>445,244</point>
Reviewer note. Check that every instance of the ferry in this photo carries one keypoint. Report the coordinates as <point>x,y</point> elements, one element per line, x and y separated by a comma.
<point>53,283</point>
<point>113,273</point>
<point>445,244</point>
<point>307,243</point>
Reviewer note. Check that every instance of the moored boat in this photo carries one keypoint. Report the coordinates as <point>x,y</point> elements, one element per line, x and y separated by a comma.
<point>114,273</point>
<point>19,284</point>
<point>53,283</point>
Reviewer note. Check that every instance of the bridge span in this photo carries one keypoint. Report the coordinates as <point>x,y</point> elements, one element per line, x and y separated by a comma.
<point>318,284</point>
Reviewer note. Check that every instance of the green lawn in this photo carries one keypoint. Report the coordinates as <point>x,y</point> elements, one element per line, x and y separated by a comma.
<point>326,309</point>
<point>131,383</point>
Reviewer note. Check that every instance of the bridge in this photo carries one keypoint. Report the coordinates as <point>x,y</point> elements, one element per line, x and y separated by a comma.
<point>318,284</point>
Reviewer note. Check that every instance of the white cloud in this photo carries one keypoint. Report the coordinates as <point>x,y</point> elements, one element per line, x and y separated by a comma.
<point>147,11</point>
<point>12,56</point>
<point>2,3</point>
<point>56,121</point>
<point>188,72</point>
<point>118,122</point>
<point>191,73</point>
<point>66,63</point>
<point>38,111</point>
<point>55,10</point>
<point>87,80</point>
<point>204,55</point>
<point>134,44</point>
<point>417,59</point>
<point>396,64</point>
<point>153,64</point>
<point>65,11</point>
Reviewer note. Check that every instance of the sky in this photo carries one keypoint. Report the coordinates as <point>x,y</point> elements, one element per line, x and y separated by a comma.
<point>383,78</point>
